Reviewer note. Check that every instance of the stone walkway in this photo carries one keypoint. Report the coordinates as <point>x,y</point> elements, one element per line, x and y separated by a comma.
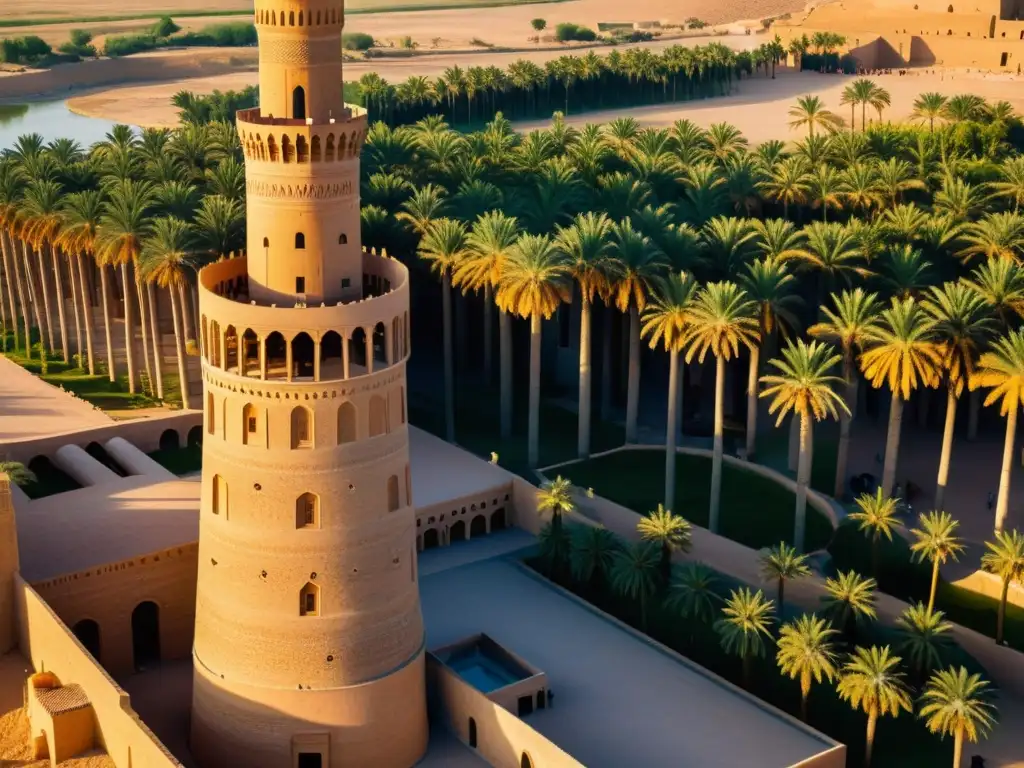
<point>30,408</point>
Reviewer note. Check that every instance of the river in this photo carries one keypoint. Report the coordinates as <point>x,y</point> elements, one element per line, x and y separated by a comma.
<point>51,120</point>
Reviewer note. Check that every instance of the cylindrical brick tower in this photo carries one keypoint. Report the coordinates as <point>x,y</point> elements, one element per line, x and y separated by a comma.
<point>309,639</point>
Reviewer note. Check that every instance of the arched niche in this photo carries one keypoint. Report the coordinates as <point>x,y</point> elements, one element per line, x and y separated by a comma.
<point>307,511</point>
<point>309,600</point>
<point>346,422</point>
<point>378,416</point>
<point>302,427</point>
<point>393,500</point>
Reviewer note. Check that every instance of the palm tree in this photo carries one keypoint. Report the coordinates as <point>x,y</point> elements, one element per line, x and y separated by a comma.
<point>488,246</point>
<point>443,246</point>
<point>722,320</point>
<point>806,652</point>
<point>963,326</point>
<point>871,681</point>
<point>929,106</point>
<point>936,540</point>
<point>849,601</point>
<point>41,216</point>
<point>861,91</point>
<point>804,386</point>
<point>901,352</point>
<point>693,594</point>
<point>585,243</point>
<point>810,111</point>
<point>636,264</point>
<point>634,575</point>
<point>1002,370</point>
<point>592,554</point>
<point>17,472</point>
<point>787,182</point>
<point>82,212</point>
<point>534,283</point>
<point>924,637</point>
<point>667,319</point>
<point>848,325</point>
<point>427,204</point>
<point>167,256</point>
<point>746,622</point>
<point>877,516</point>
<point>781,563</point>
<point>955,702</point>
<point>670,532</point>
<point>1005,558</point>
<point>1011,182</point>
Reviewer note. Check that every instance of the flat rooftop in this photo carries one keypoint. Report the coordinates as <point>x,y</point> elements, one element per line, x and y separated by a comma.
<point>618,700</point>
<point>136,515</point>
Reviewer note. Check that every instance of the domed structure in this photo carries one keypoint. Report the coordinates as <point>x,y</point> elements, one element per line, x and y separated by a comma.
<point>309,641</point>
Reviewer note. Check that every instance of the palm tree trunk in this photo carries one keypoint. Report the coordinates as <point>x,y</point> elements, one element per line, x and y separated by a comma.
<point>488,335</point>
<point>606,363</point>
<point>30,284</point>
<point>129,331</point>
<point>803,479</point>
<point>158,356</point>
<point>670,429</point>
<point>1003,501</point>
<point>892,444</point>
<point>633,386</point>
<point>44,290</point>
<point>793,455</point>
<point>935,584</point>
<point>716,461</point>
<point>179,346</point>
<point>79,350</point>
<point>83,287</point>
<point>533,428</point>
<point>12,283</point>
<point>958,747</point>
<point>186,316</point>
<point>22,295</point>
<point>3,303</point>
<point>1001,616</point>
<point>505,352</point>
<point>869,741</point>
<point>755,354</point>
<point>144,326</point>
<point>947,448</point>
<point>583,438</point>
<point>845,424</point>
<point>449,366</point>
<point>105,291</point>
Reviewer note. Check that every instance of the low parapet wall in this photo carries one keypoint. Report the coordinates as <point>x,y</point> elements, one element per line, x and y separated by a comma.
<point>51,647</point>
<point>144,434</point>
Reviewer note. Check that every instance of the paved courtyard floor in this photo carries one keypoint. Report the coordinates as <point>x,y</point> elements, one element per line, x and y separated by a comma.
<point>619,701</point>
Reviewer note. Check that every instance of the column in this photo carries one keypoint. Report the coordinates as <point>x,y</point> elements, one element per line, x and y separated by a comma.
<point>344,357</point>
<point>222,341</point>
<point>243,354</point>
<point>288,360</point>
<point>369,349</point>
<point>316,360</point>
<point>263,358</point>
<point>389,342</point>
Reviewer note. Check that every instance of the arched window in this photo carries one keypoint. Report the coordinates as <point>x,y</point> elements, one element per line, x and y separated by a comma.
<point>250,424</point>
<point>346,423</point>
<point>287,150</point>
<point>315,150</point>
<point>302,149</point>
<point>343,239</point>
<point>300,240</point>
<point>211,426</point>
<point>282,18</point>
<point>329,157</point>
<point>299,101</point>
<point>949,9</point>
<point>526,761</point>
<point>291,18</point>
<point>219,495</point>
<point>302,427</point>
<point>309,600</point>
<point>266,242</point>
<point>393,501</point>
<point>300,18</point>
<point>272,150</point>
<point>378,416</point>
<point>472,733</point>
<point>307,511</point>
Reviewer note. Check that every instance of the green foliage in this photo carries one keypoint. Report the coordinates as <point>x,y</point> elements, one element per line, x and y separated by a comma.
<point>164,27</point>
<point>356,41</point>
<point>694,23</point>
<point>568,31</point>
<point>214,107</point>
<point>125,45</point>
<point>80,44</point>
<point>24,50</point>
<point>539,25</point>
<point>236,34</point>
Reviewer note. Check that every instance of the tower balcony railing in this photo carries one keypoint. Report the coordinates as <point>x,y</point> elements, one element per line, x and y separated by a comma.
<point>290,140</point>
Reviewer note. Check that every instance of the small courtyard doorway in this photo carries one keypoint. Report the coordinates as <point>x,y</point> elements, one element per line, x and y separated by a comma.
<point>310,760</point>
<point>146,635</point>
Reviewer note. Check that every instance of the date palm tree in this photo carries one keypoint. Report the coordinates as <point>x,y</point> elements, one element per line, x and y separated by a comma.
<point>166,259</point>
<point>876,515</point>
<point>807,653</point>
<point>535,281</point>
<point>848,326</point>
<point>860,92</point>
<point>634,575</point>
<point>693,594</point>
<point>923,637</point>
<point>744,626</point>
<point>667,320</point>
<point>1011,182</point>
<point>787,182</point>
<point>41,222</point>
<point>723,319</point>
<point>956,703</point>
<point>783,563</point>
<point>586,245</point>
<point>443,246</point>
<point>592,554</point>
<point>810,111</point>
<point>902,352</point>
<point>12,182</point>
<point>804,386</point>
<point>636,264</point>
<point>671,532</point>
<point>1005,559</point>
<point>1001,370</point>
<point>871,682</point>
<point>929,106</point>
<point>78,235</point>
<point>849,601</point>
<point>963,325</point>
<point>936,540</point>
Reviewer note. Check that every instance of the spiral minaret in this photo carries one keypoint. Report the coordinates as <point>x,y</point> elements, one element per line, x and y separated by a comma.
<point>309,639</point>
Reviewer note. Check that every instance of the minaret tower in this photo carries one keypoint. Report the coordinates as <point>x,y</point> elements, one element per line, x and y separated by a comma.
<point>309,639</point>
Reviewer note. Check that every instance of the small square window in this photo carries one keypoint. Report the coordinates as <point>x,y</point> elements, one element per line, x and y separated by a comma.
<point>345,283</point>
<point>300,285</point>
<point>251,425</point>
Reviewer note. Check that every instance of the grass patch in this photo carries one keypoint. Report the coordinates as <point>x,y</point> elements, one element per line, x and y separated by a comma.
<point>755,511</point>
<point>773,451</point>
<point>180,461</point>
